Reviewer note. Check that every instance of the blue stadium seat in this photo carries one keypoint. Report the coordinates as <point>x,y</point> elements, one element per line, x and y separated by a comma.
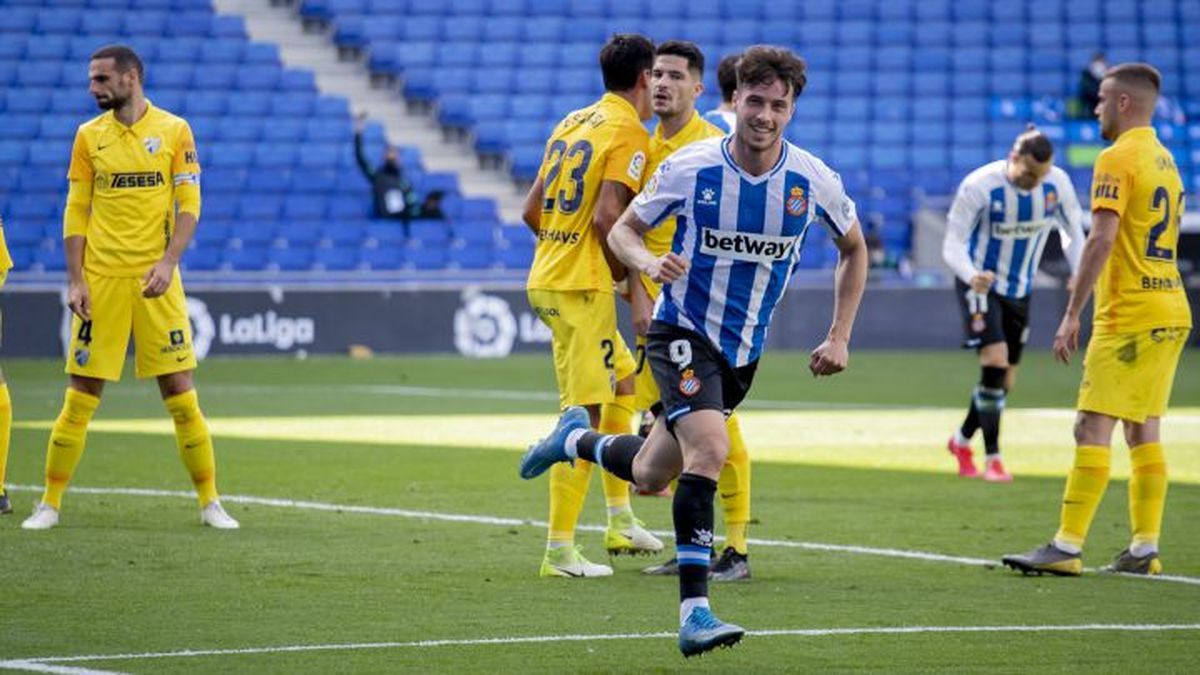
<point>383,258</point>
<point>245,258</point>
<point>260,78</point>
<point>336,259</point>
<point>292,105</point>
<point>250,104</point>
<point>250,232</point>
<point>263,53</point>
<point>202,258</point>
<point>290,258</point>
<point>343,232</point>
<point>212,233</point>
<point>49,259</point>
<point>471,257</point>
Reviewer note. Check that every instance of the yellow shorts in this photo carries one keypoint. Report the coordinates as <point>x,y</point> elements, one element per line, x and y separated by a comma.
<point>590,355</point>
<point>162,336</point>
<point>646,392</point>
<point>1129,375</point>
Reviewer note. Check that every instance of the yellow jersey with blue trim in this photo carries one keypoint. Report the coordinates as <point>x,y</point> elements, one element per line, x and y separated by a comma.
<point>658,240</point>
<point>1140,287</point>
<point>602,142</point>
<point>133,172</point>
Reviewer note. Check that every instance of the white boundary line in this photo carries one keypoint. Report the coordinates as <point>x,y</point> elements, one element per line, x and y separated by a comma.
<point>44,664</point>
<point>517,522</point>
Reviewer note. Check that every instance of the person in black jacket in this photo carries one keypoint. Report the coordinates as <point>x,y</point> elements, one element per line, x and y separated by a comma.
<point>394,197</point>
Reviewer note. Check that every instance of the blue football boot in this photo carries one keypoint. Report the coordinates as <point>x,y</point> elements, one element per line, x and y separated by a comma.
<point>552,449</point>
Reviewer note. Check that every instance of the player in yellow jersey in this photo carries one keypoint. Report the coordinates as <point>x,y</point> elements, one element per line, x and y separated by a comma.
<point>676,82</point>
<point>6,264</point>
<point>1140,326</point>
<point>594,164</point>
<point>132,208</point>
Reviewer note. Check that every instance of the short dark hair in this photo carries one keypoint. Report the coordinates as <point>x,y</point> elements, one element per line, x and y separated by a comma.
<point>1035,144</point>
<point>685,50</point>
<point>624,58</point>
<point>123,58</point>
<point>727,76</point>
<point>764,64</point>
<point>1136,74</point>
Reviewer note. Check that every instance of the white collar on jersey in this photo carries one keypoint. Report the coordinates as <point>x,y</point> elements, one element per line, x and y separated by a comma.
<point>726,144</point>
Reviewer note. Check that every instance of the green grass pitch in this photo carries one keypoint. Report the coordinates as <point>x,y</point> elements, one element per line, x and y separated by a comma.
<point>346,476</point>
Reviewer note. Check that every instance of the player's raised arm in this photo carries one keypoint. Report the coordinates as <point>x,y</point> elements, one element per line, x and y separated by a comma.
<point>625,240</point>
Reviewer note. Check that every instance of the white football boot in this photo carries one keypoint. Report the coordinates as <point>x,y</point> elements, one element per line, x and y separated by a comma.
<point>214,516</point>
<point>44,517</point>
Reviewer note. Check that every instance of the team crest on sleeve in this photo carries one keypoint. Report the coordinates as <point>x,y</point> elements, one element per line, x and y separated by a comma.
<point>797,201</point>
<point>636,164</point>
<point>152,143</point>
<point>689,384</point>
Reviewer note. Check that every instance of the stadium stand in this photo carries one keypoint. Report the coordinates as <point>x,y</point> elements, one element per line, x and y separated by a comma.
<point>281,189</point>
<point>904,96</point>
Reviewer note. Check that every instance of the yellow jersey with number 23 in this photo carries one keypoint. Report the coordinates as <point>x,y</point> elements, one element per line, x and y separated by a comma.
<point>604,141</point>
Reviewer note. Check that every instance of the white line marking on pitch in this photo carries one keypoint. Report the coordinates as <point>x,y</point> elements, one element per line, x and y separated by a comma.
<point>517,522</point>
<point>39,664</point>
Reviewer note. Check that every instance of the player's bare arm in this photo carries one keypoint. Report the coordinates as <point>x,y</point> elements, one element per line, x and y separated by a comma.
<point>625,239</point>
<point>850,278</point>
<point>611,202</point>
<point>1096,250</point>
<point>531,213</point>
<point>79,298</point>
<point>158,278</point>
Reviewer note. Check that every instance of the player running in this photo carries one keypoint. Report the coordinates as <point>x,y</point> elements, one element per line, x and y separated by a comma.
<point>131,169</point>
<point>998,227</point>
<point>1140,325</point>
<point>594,164</point>
<point>676,82</point>
<point>743,205</point>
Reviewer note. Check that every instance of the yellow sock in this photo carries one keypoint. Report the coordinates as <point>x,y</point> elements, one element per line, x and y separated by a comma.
<point>568,489</point>
<point>5,430</point>
<point>195,444</point>
<point>734,487</point>
<point>1085,488</point>
<point>1147,493</point>
<point>616,418</point>
<point>67,437</point>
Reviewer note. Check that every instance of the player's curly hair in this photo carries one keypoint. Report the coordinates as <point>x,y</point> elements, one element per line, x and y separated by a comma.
<point>624,58</point>
<point>764,64</point>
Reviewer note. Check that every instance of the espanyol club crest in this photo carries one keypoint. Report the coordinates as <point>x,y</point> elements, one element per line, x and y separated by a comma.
<point>152,143</point>
<point>796,202</point>
<point>689,384</point>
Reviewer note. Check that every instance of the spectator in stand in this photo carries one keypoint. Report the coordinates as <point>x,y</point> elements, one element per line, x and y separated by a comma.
<point>394,197</point>
<point>1089,84</point>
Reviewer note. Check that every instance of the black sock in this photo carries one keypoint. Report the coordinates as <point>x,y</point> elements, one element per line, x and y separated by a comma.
<point>693,514</point>
<point>989,400</point>
<point>971,424</point>
<point>616,452</point>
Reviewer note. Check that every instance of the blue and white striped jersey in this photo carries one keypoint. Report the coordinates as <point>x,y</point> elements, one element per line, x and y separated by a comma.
<point>994,226</point>
<point>725,120</point>
<point>741,234</point>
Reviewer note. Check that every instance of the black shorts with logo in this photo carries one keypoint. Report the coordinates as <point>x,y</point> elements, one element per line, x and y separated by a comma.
<point>1006,320</point>
<point>692,374</point>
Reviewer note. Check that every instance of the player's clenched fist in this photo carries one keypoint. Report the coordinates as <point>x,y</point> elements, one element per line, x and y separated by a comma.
<point>666,268</point>
<point>830,357</point>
